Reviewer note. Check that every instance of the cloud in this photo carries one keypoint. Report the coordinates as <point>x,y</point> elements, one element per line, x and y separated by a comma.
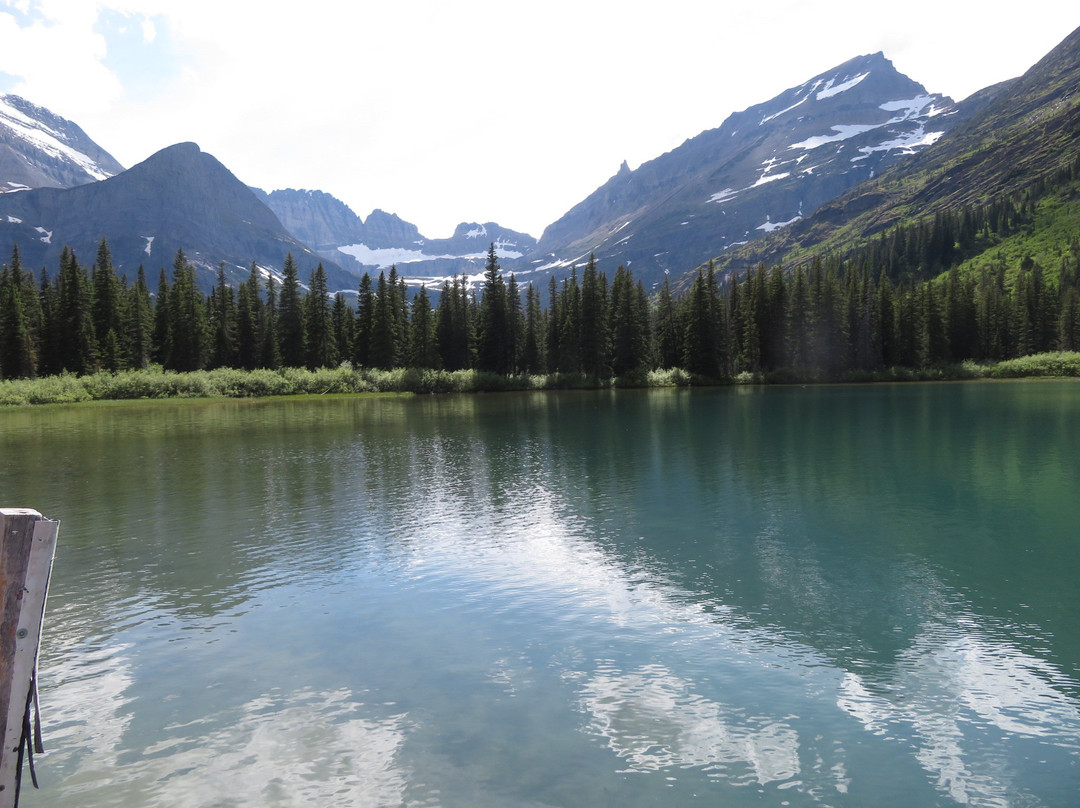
<point>55,55</point>
<point>472,111</point>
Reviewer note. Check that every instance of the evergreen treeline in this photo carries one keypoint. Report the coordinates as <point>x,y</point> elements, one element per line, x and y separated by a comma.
<point>829,320</point>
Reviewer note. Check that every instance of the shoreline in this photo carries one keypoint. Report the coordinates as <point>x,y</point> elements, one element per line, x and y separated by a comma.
<point>228,383</point>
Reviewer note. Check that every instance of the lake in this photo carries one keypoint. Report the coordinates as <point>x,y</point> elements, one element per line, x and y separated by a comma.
<point>827,596</point>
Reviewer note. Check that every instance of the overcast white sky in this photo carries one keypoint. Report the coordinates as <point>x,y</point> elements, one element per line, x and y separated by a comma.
<point>471,110</point>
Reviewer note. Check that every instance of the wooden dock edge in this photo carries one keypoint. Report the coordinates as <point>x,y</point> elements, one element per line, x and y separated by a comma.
<point>27,546</point>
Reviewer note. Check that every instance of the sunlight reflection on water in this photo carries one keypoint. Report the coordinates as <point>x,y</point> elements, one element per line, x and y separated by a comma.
<point>394,603</point>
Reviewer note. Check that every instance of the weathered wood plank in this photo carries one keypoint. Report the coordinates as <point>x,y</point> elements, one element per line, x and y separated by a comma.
<point>27,546</point>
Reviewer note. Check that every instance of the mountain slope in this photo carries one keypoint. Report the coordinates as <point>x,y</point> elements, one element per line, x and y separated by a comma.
<point>762,170</point>
<point>1020,132</point>
<point>39,149</point>
<point>179,198</point>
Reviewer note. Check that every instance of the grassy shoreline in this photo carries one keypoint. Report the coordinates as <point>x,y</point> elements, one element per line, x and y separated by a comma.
<point>155,383</point>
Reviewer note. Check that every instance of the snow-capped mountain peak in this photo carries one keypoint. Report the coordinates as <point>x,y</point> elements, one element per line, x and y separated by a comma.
<point>761,170</point>
<point>39,149</point>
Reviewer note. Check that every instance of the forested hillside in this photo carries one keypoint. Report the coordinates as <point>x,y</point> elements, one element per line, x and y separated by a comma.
<point>829,320</point>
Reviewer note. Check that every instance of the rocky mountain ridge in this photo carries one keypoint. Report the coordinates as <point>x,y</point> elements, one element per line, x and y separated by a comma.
<point>761,170</point>
<point>178,198</point>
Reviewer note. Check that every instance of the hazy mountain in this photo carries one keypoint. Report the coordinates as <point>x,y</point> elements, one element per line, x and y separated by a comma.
<point>331,228</point>
<point>179,198</point>
<point>762,170</point>
<point>39,149</point>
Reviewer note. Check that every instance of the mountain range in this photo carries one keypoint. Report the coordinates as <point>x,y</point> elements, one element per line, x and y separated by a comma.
<point>839,156</point>
<point>384,239</point>
<point>178,199</point>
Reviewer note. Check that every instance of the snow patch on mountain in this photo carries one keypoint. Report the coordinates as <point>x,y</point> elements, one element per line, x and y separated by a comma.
<point>911,107</point>
<point>46,235</point>
<point>835,89</point>
<point>503,249</point>
<point>391,256</point>
<point>843,132</point>
<point>724,196</point>
<point>764,178</point>
<point>385,257</point>
<point>771,226</point>
<point>906,143</point>
<point>775,115</point>
<point>149,244</point>
<point>477,232</point>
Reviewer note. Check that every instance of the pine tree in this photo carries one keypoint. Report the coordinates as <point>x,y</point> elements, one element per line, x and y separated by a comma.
<point>248,305</point>
<point>494,342</point>
<point>187,318</point>
<point>629,325</point>
<point>223,319</point>
<point>569,325</point>
<point>669,334</point>
<point>50,360</point>
<point>399,297</point>
<point>936,336</point>
<point>774,353</point>
<point>423,351</point>
<point>75,328</point>
<point>342,324</point>
<point>703,351</point>
<point>516,324</point>
<point>140,323</point>
<point>269,349</point>
<point>106,309</point>
<point>552,346</point>
<point>291,334</point>
<point>754,308</point>
<point>886,315</point>
<point>992,317</point>
<point>17,351</point>
<point>910,326</point>
<point>532,359</point>
<point>162,340</point>
<point>799,322</point>
<point>595,330</point>
<point>1069,321</point>
<point>384,343</point>
<point>365,320</point>
<point>320,345</point>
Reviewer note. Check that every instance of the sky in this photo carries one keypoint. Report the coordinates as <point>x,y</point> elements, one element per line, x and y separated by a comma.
<point>471,111</point>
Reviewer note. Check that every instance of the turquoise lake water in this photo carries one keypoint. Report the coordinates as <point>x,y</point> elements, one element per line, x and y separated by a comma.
<point>823,596</point>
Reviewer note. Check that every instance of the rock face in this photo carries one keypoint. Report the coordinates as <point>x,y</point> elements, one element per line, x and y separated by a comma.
<point>763,169</point>
<point>39,149</point>
<point>179,198</point>
<point>316,218</point>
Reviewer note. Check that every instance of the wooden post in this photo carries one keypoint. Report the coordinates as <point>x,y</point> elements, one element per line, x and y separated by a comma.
<point>27,543</point>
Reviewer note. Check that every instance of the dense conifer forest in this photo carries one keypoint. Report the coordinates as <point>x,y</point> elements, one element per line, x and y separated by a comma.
<point>900,302</point>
